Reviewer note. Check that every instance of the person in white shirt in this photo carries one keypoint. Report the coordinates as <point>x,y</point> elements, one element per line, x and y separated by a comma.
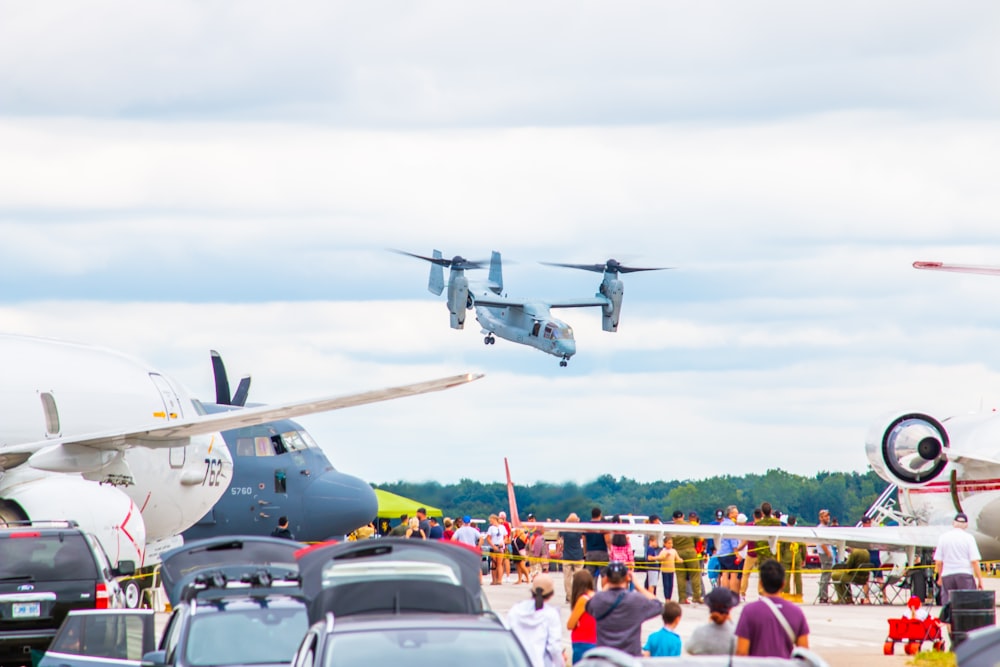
<point>537,625</point>
<point>956,560</point>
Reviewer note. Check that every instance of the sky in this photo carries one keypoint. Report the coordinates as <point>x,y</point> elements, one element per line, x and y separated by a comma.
<point>183,176</point>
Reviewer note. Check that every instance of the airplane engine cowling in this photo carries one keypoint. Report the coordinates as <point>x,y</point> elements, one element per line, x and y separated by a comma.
<point>458,298</point>
<point>908,449</point>
<point>613,289</point>
<point>104,511</point>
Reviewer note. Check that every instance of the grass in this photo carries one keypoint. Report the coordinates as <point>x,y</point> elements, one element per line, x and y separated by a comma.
<point>933,659</point>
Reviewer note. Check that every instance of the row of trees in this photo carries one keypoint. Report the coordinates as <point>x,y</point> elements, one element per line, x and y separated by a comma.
<point>846,495</point>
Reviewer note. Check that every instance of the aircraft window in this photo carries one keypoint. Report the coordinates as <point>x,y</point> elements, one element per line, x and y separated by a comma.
<point>550,331</point>
<point>264,446</point>
<point>308,439</point>
<point>245,447</point>
<point>567,331</point>
<point>293,441</point>
<point>280,479</point>
<point>535,328</point>
<point>51,413</point>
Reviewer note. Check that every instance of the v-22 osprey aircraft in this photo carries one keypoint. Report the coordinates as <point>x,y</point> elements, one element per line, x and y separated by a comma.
<point>524,321</point>
<point>98,437</point>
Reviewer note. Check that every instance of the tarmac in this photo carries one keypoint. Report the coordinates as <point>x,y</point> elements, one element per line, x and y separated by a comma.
<point>844,635</point>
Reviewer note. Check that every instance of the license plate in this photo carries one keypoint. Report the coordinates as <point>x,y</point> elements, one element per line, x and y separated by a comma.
<point>26,610</point>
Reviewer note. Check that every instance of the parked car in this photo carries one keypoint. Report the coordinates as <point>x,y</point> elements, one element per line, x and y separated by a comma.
<point>411,602</point>
<point>235,600</point>
<point>47,569</point>
<point>122,636</point>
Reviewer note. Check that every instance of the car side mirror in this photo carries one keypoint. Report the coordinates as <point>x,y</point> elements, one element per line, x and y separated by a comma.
<point>126,568</point>
<point>154,659</point>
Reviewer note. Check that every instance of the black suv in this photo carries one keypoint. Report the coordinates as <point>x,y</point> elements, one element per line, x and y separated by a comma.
<point>48,568</point>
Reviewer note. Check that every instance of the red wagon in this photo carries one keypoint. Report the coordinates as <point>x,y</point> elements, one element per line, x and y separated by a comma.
<point>914,632</point>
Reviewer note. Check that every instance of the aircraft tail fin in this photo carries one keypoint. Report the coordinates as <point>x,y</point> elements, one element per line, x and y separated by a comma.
<point>435,284</point>
<point>496,273</point>
<point>515,520</point>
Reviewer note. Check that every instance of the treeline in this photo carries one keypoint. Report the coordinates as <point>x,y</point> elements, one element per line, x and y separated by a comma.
<point>846,495</point>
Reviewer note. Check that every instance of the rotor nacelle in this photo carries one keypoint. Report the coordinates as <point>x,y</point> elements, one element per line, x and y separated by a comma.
<point>458,297</point>
<point>612,289</point>
<point>909,449</point>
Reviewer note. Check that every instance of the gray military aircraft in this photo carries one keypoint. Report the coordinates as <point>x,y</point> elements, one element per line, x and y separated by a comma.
<point>524,321</point>
<point>279,470</point>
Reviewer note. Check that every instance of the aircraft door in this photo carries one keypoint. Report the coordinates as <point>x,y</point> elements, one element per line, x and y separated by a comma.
<point>171,403</point>
<point>171,410</point>
<point>535,328</point>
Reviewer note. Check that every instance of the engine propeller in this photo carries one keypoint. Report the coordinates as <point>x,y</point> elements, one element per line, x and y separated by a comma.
<point>222,396</point>
<point>457,262</point>
<point>611,266</point>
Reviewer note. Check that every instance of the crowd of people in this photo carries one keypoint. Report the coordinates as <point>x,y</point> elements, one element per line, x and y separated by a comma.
<point>608,605</point>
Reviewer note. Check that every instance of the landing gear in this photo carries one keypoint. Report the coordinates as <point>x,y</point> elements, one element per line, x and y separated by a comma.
<point>489,340</point>
<point>564,362</point>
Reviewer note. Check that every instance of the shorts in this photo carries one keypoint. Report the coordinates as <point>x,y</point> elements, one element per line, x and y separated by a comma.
<point>727,563</point>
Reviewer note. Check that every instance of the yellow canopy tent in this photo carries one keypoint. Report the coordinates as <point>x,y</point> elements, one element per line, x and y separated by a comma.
<point>392,506</point>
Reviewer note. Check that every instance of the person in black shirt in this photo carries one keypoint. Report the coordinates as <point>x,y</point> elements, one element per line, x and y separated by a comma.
<point>282,529</point>
<point>596,545</point>
<point>571,546</point>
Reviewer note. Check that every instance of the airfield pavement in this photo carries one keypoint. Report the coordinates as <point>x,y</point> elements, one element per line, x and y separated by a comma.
<point>844,635</point>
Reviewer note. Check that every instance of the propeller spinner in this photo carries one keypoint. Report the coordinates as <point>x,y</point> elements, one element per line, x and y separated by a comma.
<point>610,266</point>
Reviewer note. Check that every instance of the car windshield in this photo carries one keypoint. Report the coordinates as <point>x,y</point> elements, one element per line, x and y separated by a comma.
<point>265,635</point>
<point>424,648</point>
<point>31,556</point>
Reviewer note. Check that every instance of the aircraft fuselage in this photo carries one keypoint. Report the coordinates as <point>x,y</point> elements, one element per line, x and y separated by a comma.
<point>531,325</point>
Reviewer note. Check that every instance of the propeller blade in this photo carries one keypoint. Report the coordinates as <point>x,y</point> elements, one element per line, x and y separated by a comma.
<point>221,379</point>
<point>612,265</point>
<point>242,391</point>
<point>457,262</point>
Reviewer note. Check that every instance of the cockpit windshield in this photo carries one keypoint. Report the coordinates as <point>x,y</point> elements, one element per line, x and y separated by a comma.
<point>556,331</point>
<point>251,442</point>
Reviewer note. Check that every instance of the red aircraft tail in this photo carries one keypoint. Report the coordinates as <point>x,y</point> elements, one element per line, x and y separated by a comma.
<point>515,520</point>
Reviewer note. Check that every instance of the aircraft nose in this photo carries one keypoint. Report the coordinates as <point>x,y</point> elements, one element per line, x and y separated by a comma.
<point>335,504</point>
<point>567,347</point>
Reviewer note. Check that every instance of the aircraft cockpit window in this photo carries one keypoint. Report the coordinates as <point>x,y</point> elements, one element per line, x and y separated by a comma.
<point>293,441</point>
<point>245,447</point>
<point>263,446</point>
<point>566,331</point>
<point>550,331</point>
<point>308,439</point>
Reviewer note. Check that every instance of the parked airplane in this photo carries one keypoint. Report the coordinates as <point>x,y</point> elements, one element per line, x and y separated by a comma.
<point>98,437</point>
<point>524,321</point>
<point>278,470</point>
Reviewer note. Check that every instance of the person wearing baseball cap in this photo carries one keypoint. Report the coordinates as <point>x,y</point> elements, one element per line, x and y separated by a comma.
<point>717,636</point>
<point>956,560</point>
<point>537,624</point>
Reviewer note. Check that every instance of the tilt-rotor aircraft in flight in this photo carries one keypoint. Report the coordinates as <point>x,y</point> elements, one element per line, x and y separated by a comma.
<point>98,437</point>
<point>525,321</point>
<point>940,466</point>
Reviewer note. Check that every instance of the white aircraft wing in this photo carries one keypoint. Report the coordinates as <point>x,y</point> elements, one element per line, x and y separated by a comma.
<point>58,453</point>
<point>957,268</point>
<point>885,537</point>
<point>497,301</point>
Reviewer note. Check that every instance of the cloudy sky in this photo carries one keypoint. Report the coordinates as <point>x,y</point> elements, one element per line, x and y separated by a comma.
<point>179,176</point>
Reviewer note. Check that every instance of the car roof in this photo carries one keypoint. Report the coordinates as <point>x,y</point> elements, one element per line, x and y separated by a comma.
<point>366,622</point>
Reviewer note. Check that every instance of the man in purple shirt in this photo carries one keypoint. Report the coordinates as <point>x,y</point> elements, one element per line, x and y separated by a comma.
<point>771,627</point>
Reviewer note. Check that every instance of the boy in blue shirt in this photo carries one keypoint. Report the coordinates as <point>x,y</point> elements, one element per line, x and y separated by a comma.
<point>665,643</point>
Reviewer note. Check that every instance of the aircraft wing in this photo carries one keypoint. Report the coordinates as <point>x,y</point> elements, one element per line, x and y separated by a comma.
<point>497,301</point>
<point>957,268</point>
<point>889,538</point>
<point>60,453</point>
